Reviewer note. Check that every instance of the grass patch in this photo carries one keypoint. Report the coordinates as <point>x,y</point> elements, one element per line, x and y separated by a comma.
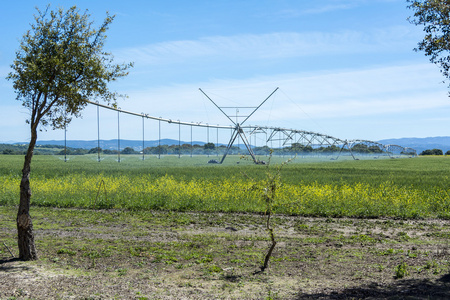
<point>401,188</point>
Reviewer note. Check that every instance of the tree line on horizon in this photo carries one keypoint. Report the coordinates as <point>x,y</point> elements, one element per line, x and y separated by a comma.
<point>195,149</point>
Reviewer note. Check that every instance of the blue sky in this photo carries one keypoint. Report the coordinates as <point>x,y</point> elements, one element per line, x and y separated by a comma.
<point>344,67</point>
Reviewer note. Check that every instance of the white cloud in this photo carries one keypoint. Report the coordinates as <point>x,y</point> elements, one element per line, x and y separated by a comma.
<point>271,46</point>
<point>382,91</point>
<point>336,101</point>
<point>321,7</point>
<point>376,91</point>
<point>329,8</point>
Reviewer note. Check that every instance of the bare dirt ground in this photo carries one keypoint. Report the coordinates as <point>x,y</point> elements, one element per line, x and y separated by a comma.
<point>111,254</point>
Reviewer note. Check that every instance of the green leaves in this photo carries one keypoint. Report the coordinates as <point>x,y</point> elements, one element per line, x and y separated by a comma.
<point>434,15</point>
<point>61,63</point>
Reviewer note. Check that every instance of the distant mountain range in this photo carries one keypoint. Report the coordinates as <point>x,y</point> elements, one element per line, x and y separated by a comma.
<point>419,144</point>
<point>112,144</point>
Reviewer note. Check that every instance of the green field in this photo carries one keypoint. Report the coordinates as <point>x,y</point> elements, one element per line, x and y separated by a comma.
<point>404,188</point>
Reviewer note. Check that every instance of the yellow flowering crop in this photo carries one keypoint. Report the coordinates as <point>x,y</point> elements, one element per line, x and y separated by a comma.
<point>230,194</point>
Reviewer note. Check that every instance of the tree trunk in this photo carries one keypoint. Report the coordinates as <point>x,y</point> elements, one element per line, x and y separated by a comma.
<point>274,243</point>
<point>27,248</point>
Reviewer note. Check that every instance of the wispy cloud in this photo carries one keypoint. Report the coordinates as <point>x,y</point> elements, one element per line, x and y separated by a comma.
<point>329,8</point>
<point>271,46</point>
<point>321,7</point>
<point>374,91</point>
<point>344,104</point>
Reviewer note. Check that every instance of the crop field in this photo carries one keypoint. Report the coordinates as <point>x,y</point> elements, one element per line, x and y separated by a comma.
<point>403,188</point>
<point>179,228</point>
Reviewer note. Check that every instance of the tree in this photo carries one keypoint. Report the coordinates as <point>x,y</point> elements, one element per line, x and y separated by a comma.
<point>434,15</point>
<point>8,152</point>
<point>437,152</point>
<point>375,149</point>
<point>361,148</point>
<point>128,150</point>
<point>95,150</point>
<point>432,152</point>
<point>60,64</point>
<point>161,149</point>
<point>269,188</point>
<point>209,146</point>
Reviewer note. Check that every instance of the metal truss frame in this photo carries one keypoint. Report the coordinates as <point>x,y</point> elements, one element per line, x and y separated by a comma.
<point>238,129</point>
<point>288,136</point>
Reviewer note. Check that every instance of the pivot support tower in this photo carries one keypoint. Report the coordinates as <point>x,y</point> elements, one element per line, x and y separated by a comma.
<point>238,130</point>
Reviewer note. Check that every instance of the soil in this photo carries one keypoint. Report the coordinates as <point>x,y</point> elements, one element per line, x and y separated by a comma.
<point>85,254</point>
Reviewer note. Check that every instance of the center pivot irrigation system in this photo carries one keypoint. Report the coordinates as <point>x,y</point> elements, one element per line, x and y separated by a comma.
<point>284,136</point>
<point>238,129</point>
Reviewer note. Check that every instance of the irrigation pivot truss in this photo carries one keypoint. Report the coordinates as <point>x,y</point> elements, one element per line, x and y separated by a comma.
<point>238,129</point>
<point>284,136</point>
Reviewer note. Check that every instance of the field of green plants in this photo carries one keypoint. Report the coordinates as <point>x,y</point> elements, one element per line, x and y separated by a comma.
<point>403,188</point>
